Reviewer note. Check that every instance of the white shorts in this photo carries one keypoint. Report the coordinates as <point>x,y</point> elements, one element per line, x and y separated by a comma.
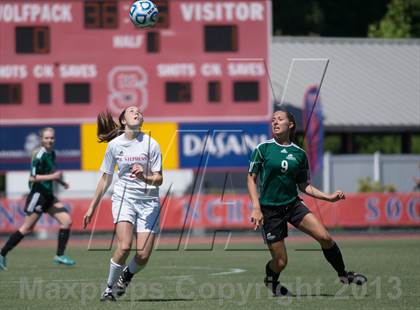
<point>142,213</point>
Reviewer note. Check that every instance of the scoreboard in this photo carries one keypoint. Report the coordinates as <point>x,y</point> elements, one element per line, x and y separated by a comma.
<point>63,62</point>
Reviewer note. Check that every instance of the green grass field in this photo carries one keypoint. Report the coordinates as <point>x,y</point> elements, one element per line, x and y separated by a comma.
<point>218,279</point>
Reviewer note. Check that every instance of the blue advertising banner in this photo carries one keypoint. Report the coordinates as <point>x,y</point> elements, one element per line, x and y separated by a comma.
<point>219,145</point>
<point>17,143</point>
<point>314,126</point>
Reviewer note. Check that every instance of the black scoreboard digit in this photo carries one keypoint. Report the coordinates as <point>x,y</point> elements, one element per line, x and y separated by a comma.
<point>101,14</point>
<point>32,40</point>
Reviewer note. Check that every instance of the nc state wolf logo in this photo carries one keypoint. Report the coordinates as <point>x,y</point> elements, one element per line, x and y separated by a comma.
<point>127,86</point>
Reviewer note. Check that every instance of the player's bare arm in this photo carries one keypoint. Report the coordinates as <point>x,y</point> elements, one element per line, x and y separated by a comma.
<point>103,185</point>
<point>312,191</point>
<point>256,214</point>
<point>156,178</point>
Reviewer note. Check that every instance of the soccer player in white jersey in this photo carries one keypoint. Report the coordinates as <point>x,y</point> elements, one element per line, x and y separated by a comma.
<point>135,199</point>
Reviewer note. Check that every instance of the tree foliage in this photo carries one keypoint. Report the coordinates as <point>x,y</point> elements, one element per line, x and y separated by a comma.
<point>329,18</point>
<point>402,20</point>
<point>343,18</point>
<point>367,185</point>
<point>369,144</point>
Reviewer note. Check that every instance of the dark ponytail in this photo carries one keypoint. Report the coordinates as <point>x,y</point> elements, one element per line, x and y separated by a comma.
<point>291,119</point>
<point>108,129</point>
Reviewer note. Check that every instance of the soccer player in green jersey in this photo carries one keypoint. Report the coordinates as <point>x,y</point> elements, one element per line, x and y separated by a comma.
<point>279,167</point>
<point>41,199</point>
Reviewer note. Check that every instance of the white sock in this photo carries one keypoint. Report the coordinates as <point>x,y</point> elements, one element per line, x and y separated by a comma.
<point>114,272</point>
<point>133,267</point>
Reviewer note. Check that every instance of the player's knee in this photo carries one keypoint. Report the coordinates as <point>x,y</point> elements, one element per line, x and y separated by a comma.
<point>326,240</point>
<point>66,224</point>
<point>142,257</point>
<point>25,230</point>
<point>124,248</point>
<point>280,263</point>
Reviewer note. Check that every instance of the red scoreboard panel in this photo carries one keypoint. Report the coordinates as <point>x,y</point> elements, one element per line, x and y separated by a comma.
<point>65,61</point>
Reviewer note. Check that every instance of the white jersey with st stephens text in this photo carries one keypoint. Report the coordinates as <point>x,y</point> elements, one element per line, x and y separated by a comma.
<point>133,200</point>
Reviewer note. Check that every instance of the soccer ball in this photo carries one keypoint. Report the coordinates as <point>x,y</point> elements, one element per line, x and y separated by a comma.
<point>144,13</point>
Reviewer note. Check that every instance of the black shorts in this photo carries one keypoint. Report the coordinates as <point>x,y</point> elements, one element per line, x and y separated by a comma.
<point>276,218</point>
<point>39,203</point>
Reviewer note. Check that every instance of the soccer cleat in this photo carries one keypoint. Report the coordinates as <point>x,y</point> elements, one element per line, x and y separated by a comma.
<point>63,259</point>
<point>276,288</point>
<point>282,291</point>
<point>3,263</point>
<point>353,277</point>
<point>123,281</point>
<point>107,295</point>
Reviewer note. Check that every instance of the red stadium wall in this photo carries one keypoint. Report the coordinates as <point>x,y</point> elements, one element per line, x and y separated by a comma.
<point>358,210</point>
